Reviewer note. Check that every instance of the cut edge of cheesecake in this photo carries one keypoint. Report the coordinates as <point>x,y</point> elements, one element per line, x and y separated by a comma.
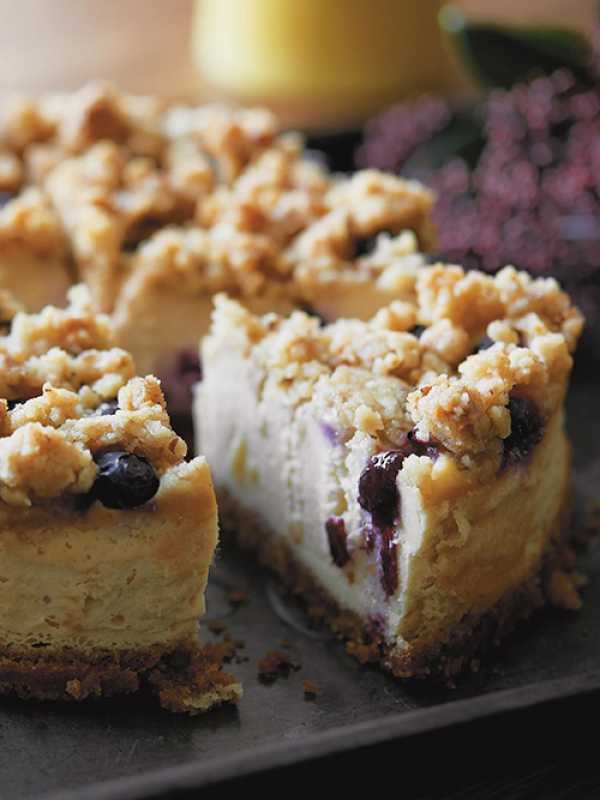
<point>409,475</point>
<point>463,646</point>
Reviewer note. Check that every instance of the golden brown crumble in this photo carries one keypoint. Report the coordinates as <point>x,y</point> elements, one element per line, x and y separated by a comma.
<point>380,379</point>
<point>119,168</point>
<point>231,136</point>
<point>56,367</point>
<point>30,219</point>
<point>71,122</point>
<point>11,171</point>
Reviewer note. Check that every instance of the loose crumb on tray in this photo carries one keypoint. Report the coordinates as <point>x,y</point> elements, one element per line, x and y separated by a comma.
<point>276,664</point>
<point>311,689</point>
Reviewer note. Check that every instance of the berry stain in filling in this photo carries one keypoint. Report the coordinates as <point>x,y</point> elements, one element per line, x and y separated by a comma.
<point>526,430</point>
<point>387,560</point>
<point>329,432</point>
<point>124,480</point>
<point>337,538</point>
<point>378,494</point>
<point>381,540</point>
<point>377,490</point>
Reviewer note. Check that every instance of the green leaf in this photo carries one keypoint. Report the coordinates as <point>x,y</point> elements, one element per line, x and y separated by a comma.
<point>502,55</point>
<point>462,137</point>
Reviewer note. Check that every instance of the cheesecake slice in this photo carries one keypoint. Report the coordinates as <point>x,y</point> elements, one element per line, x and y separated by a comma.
<point>408,475</point>
<point>107,533</point>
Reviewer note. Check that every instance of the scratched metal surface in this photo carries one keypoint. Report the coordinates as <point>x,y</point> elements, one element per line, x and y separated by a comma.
<point>67,750</point>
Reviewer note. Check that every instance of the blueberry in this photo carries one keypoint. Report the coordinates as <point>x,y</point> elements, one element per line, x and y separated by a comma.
<point>107,408</point>
<point>13,403</point>
<point>377,490</point>
<point>526,430</point>
<point>124,480</point>
<point>336,536</point>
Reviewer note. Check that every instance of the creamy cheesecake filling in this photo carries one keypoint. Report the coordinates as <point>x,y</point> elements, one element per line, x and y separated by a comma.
<point>107,579</point>
<point>447,555</point>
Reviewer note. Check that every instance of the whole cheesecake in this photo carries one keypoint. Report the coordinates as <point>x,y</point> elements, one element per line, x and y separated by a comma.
<point>408,475</point>
<point>106,531</point>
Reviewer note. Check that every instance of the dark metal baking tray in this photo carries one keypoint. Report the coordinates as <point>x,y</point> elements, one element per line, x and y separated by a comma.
<point>124,749</point>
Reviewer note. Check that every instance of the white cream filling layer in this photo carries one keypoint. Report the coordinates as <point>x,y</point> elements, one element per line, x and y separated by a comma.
<point>280,462</point>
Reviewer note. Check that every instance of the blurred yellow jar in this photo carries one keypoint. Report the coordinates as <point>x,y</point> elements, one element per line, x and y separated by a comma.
<point>320,61</point>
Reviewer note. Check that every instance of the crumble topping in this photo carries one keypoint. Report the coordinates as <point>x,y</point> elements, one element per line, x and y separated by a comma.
<point>232,136</point>
<point>11,171</point>
<point>421,366</point>
<point>29,218</point>
<point>56,368</point>
<point>118,168</point>
<point>71,122</point>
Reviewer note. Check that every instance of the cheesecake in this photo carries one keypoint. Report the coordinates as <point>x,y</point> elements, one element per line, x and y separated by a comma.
<point>35,263</point>
<point>163,206</point>
<point>107,532</point>
<point>407,475</point>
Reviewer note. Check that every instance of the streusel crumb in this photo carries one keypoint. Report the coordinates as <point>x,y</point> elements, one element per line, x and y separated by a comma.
<point>419,365</point>
<point>30,219</point>
<point>56,368</point>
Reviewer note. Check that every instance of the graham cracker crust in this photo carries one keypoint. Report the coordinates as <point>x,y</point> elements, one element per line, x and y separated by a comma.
<point>185,679</point>
<point>466,643</point>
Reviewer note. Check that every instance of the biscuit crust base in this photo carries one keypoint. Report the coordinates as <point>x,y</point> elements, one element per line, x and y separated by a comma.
<point>442,660</point>
<point>185,679</point>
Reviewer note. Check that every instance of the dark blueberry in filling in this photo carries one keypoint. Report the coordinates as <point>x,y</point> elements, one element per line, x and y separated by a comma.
<point>12,403</point>
<point>336,535</point>
<point>417,330</point>
<point>377,490</point>
<point>387,561</point>
<point>364,245</point>
<point>5,197</point>
<point>124,480</point>
<point>484,344</point>
<point>526,430</point>
<point>107,408</point>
